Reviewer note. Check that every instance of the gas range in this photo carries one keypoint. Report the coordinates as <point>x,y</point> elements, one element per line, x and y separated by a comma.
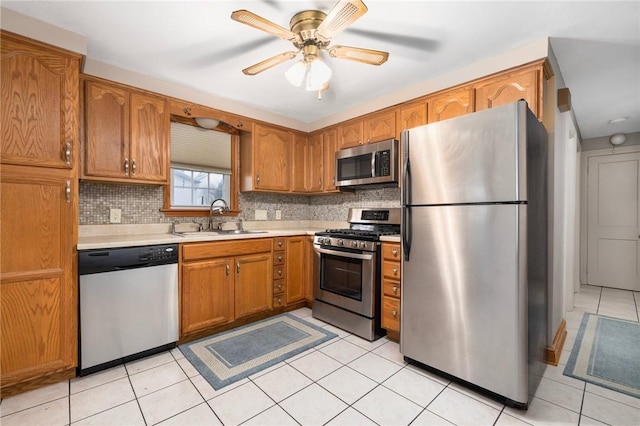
<point>366,226</point>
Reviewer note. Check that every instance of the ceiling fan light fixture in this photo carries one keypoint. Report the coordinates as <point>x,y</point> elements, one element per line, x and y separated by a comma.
<point>318,75</point>
<point>296,73</point>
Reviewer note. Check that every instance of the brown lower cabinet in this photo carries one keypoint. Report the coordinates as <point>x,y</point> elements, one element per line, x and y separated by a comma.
<point>224,281</point>
<point>391,289</point>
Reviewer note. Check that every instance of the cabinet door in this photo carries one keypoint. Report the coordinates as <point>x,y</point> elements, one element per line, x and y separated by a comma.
<point>450,104</point>
<point>309,277</point>
<point>315,155</point>
<point>329,146</point>
<point>149,136</point>
<point>295,289</point>
<point>271,152</point>
<point>413,115</point>
<point>38,299</point>
<point>106,145</point>
<point>510,88</point>
<point>253,284</point>
<point>298,163</point>
<point>351,134</point>
<point>380,126</point>
<point>207,294</point>
<point>39,109</point>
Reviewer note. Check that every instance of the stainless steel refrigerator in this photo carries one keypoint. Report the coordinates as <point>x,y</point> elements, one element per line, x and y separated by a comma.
<point>474,241</point>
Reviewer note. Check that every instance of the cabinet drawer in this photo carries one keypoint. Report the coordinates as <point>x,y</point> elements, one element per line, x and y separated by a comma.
<point>391,251</point>
<point>278,287</point>
<point>279,272</point>
<point>278,243</point>
<point>198,251</point>
<point>391,270</point>
<point>391,288</point>
<point>278,257</point>
<point>278,301</point>
<point>390,314</point>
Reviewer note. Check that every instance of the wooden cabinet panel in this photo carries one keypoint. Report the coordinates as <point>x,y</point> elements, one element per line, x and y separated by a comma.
<point>329,146</point>
<point>309,274</point>
<point>380,126</point>
<point>315,163</point>
<point>38,296</point>
<point>413,115</point>
<point>107,130</point>
<point>207,294</point>
<point>295,289</point>
<point>299,158</point>
<point>253,284</point>
<point>265,158</point>
<point>391,288</point>
<point>39,110</point>
<point>149,137</point>
<point>390,314</point>
<point>449,104</point>
<point>201,251</point>
<point>351,134</point>
<point>508,88</point>
<point>391,270</point>
<point>126,134</point>
<point>391,251</point>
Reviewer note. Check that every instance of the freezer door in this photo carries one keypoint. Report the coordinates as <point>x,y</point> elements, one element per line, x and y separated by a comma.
<point>474,158</point>
<point>464,300</point>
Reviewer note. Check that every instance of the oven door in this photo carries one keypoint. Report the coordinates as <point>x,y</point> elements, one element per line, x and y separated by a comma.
<point>346,279</point>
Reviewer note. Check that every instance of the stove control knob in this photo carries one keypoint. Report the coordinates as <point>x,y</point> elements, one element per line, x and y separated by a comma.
<point>363,244</point>
<point>354,244</point>
<point>324,240</point>
<point>340,242</point>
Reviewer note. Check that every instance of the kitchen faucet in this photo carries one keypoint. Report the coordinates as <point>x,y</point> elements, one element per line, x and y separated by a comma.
<point>217,210</point>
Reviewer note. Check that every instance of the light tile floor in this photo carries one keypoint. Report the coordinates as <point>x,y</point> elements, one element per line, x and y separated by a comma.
<point>346,381</point>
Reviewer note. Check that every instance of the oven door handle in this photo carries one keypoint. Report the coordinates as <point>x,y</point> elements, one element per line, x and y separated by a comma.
<point>368,256</point>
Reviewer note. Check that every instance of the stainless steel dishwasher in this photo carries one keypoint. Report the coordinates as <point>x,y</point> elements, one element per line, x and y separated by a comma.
<point>128,304</point>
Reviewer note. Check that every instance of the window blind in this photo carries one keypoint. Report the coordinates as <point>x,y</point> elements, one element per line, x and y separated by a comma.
<point>194,146</point>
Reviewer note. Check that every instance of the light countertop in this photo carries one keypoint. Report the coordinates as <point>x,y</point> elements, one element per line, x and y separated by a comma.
<point>391,238</point>
<point>112,236</point>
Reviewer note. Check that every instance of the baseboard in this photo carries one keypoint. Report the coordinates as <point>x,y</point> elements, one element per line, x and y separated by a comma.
<point>37,382</point>
<point>554,351</point>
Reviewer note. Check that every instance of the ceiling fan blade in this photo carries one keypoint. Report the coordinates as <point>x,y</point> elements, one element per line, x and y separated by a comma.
<point>269,63</point>
<point>366,56</point>
<point>343,14</point>
<point>255,21</point>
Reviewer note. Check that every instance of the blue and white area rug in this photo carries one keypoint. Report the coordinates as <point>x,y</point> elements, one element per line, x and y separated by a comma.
<point>229,356</point>
<point>607,353</point>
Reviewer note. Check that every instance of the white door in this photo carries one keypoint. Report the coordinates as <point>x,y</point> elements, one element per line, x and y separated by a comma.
<point>613,218</point>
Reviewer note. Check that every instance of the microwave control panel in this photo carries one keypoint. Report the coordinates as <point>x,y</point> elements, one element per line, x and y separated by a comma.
<point>383,165</point>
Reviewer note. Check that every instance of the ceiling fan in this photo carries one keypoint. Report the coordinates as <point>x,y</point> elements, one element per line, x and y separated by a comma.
<point>311,32</point>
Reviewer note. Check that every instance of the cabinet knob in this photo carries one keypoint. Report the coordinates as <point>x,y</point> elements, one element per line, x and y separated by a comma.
<point>394,313</point>
<point>133,167</point>
<point>395,289</point>
<point>258,178</point>
<point>394,252</point>
<point>279,300</point>
<point>279,258</point>
<point>395,271</point>
<point>320,182</point>
<point>126,167</point>
<point>279,286</point>
<point>67,192</point>
<point>279,243</point>
<point>228,269</point>
<point>237,267</point>
<point>279,271</point>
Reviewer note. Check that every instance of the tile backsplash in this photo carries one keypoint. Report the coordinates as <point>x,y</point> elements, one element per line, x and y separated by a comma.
<point>141,204</point>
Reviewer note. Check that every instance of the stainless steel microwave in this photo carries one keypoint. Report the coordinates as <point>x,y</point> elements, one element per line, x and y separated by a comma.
<point>370,164</point>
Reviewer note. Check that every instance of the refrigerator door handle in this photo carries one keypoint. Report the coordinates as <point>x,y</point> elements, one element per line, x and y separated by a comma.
<point>406,232</point>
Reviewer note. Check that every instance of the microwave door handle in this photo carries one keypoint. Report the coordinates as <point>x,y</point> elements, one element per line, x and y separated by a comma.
<point>373,164</point>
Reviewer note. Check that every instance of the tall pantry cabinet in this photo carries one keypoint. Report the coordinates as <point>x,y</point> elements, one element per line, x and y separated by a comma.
<point>38,216</point>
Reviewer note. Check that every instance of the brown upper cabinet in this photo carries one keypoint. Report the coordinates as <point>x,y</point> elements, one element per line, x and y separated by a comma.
<point>412,115</point>
<point>351,134</point>
<point>315,163</point>
<point>511,87</point>
<point>126,134</point>
<point>451,103</point>
<point>40,114</point>
<point>265,155</point>
<point>329,147</point>
<point>299,159</point>
<point>380,126</point>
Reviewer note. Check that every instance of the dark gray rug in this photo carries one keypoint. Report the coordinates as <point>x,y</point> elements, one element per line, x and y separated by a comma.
<point>229,356</point>
<point>606,353</point>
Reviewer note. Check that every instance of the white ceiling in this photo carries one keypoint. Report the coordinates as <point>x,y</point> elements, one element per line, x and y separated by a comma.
<point>197,45</point>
